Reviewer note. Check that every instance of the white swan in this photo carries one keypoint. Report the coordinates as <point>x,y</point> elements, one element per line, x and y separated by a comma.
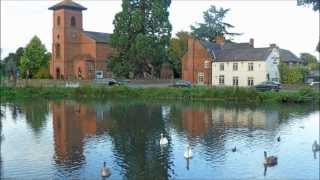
<point>315,146</point>
<point>188,152</point>
<point>163,140</point>
<point>105,172</point>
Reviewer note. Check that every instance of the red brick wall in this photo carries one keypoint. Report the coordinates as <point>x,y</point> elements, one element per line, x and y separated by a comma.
<point>193,62</point>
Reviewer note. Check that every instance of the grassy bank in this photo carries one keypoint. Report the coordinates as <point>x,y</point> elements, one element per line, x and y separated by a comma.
<point>198,93</point>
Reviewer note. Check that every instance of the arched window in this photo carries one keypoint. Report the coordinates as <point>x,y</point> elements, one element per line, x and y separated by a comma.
<point>58,20</point>
<point>58,50</point>
<point>73,21</point>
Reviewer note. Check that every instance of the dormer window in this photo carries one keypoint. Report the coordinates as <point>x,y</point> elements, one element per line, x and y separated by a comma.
<point>73,21</point>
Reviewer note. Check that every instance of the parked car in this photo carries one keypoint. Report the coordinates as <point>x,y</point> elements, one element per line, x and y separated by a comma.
<point>314,83</point>
<point>268,86</point>
<point>108,81</point>
<point>182,83</point>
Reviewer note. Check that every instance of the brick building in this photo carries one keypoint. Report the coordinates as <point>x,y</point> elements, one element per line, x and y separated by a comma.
<point>76,54</point>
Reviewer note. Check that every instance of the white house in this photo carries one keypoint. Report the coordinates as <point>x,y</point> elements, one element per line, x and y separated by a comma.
<point>245,66</point>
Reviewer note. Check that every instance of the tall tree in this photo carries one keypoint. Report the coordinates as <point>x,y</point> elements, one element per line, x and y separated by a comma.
<point>178,47</point>
<point>34,57</point>
<point>214,25</point>
<point>141,37</point>
<point>315,4</point>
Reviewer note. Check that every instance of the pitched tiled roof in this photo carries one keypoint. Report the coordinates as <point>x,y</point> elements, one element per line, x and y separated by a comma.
<point>99,37</point>
<point>243,54</point>
<point>235,51</point>
<point>287,56</point>
<point>67,4</point>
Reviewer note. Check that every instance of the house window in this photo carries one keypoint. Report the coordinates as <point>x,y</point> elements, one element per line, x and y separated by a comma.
<point>250,66</point>
<point>206,64</point>
<point>90,67</point>
<point>268,76</point>
<point>221,80</point>
<point>73,21</point>
<point>58,52</point>
<point>221,67</point>
<point>58,20</point>
<point>250,81</point>
<point>200,78</point>
<point>235,81</point>
<point>235,66</point>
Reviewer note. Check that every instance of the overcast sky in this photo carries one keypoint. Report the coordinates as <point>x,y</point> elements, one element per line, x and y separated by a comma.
<point>282,22</point>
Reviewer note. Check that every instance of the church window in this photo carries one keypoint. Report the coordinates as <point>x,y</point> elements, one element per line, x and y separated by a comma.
<point>58,20</point>
<point>58,50</point>
<point>73,21</point>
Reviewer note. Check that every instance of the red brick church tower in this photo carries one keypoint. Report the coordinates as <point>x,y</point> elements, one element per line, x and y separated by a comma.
<point>76,54</point>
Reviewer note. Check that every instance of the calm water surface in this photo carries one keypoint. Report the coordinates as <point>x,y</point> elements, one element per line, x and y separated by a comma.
<point>70,140</point>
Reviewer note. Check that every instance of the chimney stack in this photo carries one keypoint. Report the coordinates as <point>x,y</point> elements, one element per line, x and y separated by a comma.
<point>220,39</point>
<point>273,45</point>
<point>251,42</point>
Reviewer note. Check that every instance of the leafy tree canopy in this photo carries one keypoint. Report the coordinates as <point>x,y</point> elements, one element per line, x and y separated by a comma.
<point>34,57</point>
<point>314,3</point>
<point>214,25</point>
<point>178,47</point>
<point>141,37</point>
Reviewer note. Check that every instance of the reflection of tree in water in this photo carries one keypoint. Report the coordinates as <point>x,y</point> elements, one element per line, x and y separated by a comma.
<point>136,131</point>
<point>35,113</point>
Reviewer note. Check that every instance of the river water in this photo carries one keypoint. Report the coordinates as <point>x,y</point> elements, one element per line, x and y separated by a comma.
<point>68,139</point>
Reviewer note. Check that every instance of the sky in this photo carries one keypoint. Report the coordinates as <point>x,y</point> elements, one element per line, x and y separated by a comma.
<point>281,22</point>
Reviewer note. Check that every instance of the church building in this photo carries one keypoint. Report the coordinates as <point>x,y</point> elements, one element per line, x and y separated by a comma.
<point>77,54</point>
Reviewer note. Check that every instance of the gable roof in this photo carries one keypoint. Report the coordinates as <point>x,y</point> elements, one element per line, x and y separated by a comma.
<point>68,4</point>
<point>287,56</point>
<point>99,37</point>
<point>243,54</point>
<point>235,52</point>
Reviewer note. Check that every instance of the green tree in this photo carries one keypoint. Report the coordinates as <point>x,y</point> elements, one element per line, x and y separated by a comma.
<point>315,4</point>
<point>310,61</point>
<point>178,47</point>
<point>34,57</point>
<point>291,75</point>
<point>141,37</point>
<point>11,63</point>
<point>213,25</point>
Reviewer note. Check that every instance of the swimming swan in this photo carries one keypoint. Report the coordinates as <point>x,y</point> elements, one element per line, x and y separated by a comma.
<point>105,172</point>
<point>188,152</point>
<point>163,140</point>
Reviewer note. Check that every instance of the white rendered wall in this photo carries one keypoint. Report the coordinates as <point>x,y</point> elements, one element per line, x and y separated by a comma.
<point>259,72</point>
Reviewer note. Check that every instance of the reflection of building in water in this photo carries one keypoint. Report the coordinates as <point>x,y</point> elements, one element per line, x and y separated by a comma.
<point>71,123</point>
<point>245,118</point>
<point>196,121</point>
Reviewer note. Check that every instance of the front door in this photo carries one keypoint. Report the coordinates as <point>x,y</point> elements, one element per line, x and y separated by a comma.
<point>200,78</point>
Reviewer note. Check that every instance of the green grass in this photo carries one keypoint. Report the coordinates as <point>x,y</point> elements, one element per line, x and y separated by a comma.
<point>198,93</point>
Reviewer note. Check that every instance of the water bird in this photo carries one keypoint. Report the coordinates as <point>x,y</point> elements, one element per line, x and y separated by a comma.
<point>105,172</point>
<point>278,139</point>
<point>188,152</point>
<point>234,149</point>
<point>163,140</point>
<point>270,160</point>
<point>315,146</point>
